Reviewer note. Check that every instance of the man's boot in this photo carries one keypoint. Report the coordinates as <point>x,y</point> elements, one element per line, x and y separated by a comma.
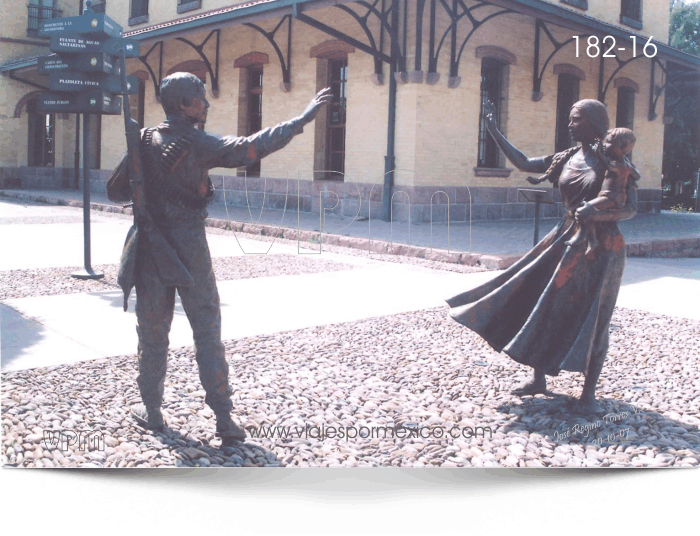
<point>148,416</point>
<point>227,430</point>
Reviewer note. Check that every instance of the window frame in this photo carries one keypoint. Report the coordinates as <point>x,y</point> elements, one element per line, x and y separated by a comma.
<point>140,17</point>
<point>489,156</point>
<point>99,6</point>
<point>41,144</point>
<point>342,83</point>
<point>40,7</point>
<point>325,53</point>
<point>254,96</point>
<point>183,6</point>
<point>581,4</point>
<point>626,95</point>
<point>95,142</point>
<point>629,19</point>
<point>562,138</point>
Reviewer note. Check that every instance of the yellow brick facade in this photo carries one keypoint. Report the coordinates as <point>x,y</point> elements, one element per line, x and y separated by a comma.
<point>436,126</point>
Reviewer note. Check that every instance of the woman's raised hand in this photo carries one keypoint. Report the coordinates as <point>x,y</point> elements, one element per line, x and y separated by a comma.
<point>490,115</point>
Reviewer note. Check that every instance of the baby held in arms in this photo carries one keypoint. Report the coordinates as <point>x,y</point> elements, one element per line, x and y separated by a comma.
<point>613,151</point>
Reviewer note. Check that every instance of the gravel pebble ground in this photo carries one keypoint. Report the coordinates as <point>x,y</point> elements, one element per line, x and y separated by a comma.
<point>420,370</point>
<point>55,281</point>
<point>420,374</point>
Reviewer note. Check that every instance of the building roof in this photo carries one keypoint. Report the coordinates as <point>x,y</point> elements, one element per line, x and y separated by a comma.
<point>547,11</point>
<point>226,16</point>
<point>208,17</point>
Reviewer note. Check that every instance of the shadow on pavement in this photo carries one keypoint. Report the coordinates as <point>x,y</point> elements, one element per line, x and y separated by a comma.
<point>619,424</point>
<point>17,334</point>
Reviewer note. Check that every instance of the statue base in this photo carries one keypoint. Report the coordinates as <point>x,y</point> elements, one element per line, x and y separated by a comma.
<point>87,273</point>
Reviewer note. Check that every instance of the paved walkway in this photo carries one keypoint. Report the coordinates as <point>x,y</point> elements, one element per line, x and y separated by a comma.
<point>51,330</point>
<point>500,237</point>
<point>378,349</point>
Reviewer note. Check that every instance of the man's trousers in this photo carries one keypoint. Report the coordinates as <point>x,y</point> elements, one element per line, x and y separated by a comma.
<point>154,312</point>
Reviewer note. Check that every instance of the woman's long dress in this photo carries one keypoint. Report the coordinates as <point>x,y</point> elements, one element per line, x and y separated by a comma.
<point>551,310</point>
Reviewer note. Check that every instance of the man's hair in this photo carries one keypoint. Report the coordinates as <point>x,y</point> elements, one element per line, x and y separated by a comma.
<point>178,86</point>
<point>624,137</point>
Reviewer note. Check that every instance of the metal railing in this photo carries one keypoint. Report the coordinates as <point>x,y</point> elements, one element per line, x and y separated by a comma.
<point>37,14</point>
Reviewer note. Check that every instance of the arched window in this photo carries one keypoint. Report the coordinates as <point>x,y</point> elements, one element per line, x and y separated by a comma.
<point>250,95</point>
<point>626,89</point>
<point>137,103</point>
<point>495,62</point>
<point>41,136</point>
<point>332,71</point>
<point>568,88</point>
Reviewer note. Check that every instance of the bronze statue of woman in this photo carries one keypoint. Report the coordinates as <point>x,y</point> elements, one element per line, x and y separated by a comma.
<point>551,310</point>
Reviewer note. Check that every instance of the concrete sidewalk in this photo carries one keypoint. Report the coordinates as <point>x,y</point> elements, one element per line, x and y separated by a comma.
<point>39,331</point>
<point>495,244</point>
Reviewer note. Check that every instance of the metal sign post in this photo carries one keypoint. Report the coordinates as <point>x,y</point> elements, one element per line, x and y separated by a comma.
<point>87,272</point>
<point>538,197</point>
<point>82,73</point>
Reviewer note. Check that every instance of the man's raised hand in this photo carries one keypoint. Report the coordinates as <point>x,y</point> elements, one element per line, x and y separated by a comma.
<point>322,98</point>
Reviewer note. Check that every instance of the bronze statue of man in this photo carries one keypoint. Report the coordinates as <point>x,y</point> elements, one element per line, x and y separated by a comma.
<point>176,157</point>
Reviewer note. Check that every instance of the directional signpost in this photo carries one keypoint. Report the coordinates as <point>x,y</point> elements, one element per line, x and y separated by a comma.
<point>84,78</point>
<point>83,82</point>
<point>84,63</point>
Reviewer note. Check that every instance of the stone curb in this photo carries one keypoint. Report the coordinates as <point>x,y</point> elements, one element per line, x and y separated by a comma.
<point>671,248</point>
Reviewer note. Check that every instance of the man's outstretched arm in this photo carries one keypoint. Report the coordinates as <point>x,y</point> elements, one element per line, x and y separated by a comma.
<point>233,151</point>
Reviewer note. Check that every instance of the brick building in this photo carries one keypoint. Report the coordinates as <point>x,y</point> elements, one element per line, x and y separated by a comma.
<point>410,78</point>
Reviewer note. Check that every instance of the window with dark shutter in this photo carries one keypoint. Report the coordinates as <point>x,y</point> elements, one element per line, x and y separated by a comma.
<point>492,71</point>
<point>631,13</point>
<point>138,14</point>
<point>624,117</point>
<point>41,138</point>
<point>567,95</point>
<point>335,128</point>
<point>254,95</point>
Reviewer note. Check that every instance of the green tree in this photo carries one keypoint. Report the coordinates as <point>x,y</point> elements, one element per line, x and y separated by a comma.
<point>682,136</point>
<point>685,26</point>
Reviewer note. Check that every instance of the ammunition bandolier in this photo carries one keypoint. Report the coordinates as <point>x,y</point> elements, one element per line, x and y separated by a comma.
<point>160,164</point>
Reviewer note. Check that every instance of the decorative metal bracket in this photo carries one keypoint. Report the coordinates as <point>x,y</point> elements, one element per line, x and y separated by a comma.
<point>456,12</point>
<point>656,91</point>
<point>383,15</point>
<point>286,64</point>
<point>213,71</point>
<point>417,74</point>
<point>370,48</point>
<point>537,73</point>
<point>621,64</point>
<point>144,60</point>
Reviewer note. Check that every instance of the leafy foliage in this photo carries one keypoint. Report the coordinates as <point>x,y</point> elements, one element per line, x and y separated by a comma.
<point>685,27</point>
<point>682,137</point>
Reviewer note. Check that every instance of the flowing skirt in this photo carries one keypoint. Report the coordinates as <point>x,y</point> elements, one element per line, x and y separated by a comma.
<point>551,310</point>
